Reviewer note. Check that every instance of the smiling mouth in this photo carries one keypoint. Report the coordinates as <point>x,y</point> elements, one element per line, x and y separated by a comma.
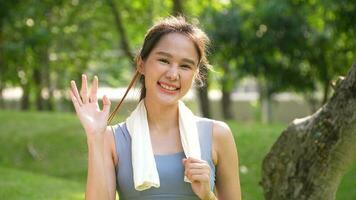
<point>168,87</point>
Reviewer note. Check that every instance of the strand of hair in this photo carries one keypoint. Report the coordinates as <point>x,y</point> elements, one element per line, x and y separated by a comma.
<point>112,115</point>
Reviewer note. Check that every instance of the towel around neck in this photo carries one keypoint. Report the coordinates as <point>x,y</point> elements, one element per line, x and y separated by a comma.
<point>145,172</point>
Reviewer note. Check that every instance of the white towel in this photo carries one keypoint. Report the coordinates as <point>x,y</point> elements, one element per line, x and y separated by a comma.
<point>143,162</point>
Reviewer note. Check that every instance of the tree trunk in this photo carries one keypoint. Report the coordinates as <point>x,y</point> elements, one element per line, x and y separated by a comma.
<point>203,95</point>
<point>177,8</point>
<point>265,100</point>
<point>227,84</point>
<point>2,84</point>
<point>46,80</point>
<point>124,43</point>
<point>204,101</point>
<point>326,91</point>
<point>2,67</point>
<point>310,157</point>
<point>266,109</point>
<point>226,104</point>
<point>37,78</point>
<point>25,99</point>
<point>2,103</point>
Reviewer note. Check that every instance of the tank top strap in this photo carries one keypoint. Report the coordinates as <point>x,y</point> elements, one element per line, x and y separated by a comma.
<point>122,141</point>
<point>205,131</point>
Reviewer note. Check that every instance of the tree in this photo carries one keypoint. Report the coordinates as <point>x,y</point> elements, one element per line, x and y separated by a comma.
<point>275,51</point>
<point>310,157</point>
<point>124,42</point>
<point>224,28</point>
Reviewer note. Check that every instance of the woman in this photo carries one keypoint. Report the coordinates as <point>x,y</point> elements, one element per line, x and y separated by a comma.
<point>170,61</point>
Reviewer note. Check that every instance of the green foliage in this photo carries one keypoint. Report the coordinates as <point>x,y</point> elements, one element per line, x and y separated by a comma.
<point>285,44</point>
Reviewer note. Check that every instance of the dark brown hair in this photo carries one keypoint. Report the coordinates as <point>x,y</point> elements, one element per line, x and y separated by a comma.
<point>153,36</point>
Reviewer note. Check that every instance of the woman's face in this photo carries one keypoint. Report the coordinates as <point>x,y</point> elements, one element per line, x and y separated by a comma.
<point>170,68</point>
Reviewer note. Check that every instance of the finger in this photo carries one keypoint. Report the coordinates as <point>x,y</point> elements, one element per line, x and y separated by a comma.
<point>199,177</point>
<point>195,160</point>
<point>75,92</point>
<point>196,166</point>
<point>196,171</point>
<point>75,101</point>
<point>184,160</point>
<point>93,90</point>
<point>84,89</point>
<point>106,104</point>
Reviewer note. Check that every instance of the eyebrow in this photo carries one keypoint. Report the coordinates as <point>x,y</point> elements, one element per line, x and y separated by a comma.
<point>170,56</point>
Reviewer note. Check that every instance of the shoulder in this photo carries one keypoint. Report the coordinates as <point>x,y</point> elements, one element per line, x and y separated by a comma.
<point>221,131</point>
<point>223,140</point>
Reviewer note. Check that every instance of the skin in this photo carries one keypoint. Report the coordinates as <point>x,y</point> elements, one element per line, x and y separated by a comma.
<point>172,62</point>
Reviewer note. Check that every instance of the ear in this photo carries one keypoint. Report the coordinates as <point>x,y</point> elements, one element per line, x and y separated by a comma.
<point>140,65</point>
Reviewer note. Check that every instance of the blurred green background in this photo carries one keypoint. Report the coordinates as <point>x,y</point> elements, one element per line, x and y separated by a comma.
<point>273,61</point>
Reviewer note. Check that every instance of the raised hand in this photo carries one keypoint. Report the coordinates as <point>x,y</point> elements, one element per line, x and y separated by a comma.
<point>93,120</point>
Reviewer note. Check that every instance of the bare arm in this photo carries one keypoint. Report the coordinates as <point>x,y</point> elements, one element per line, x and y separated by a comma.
<point>101,181</point>
<point>227,174</point>
<point>101,169</point>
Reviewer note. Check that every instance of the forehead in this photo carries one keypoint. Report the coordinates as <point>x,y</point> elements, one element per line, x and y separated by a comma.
<point>178,45</point>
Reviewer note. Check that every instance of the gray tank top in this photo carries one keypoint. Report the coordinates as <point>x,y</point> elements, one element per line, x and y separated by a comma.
<point>170,167</point>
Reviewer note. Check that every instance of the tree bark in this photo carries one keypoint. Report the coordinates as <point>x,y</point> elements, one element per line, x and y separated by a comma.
<point>312,154</point>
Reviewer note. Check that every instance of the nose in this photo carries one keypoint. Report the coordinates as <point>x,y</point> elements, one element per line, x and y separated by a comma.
<point>173,73</point>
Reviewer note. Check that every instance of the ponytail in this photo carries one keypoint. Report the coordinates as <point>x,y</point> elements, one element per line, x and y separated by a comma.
<point>134,79</point>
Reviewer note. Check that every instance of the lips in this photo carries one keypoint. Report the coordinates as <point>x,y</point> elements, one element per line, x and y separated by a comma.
<point>168,86</point>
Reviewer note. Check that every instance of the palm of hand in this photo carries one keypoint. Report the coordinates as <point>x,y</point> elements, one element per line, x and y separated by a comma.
<point>93,119</point>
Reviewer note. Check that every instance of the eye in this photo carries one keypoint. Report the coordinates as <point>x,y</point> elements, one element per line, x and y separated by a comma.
<point>186,66</point>
<point>162,60</point>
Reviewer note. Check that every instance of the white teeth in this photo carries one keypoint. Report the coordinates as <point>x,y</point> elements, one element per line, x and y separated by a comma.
<point>168,87</point>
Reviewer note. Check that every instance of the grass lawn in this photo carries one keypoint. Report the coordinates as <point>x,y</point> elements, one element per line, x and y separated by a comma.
<point>18,184</point>
<point>43,156</point>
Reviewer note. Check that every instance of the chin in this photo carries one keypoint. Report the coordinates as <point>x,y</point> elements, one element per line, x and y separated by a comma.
<point>164,100</point>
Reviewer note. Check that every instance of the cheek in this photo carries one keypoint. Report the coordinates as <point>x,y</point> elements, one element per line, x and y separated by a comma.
<point>189,79</point>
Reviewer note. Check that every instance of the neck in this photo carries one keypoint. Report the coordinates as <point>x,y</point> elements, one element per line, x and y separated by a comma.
<point>161,117</point>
